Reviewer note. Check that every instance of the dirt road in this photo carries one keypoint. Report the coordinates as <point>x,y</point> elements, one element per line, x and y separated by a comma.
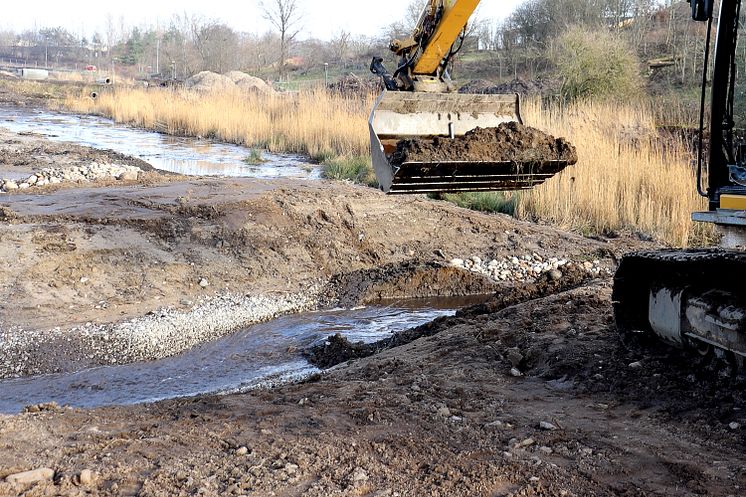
<point>532,394</point>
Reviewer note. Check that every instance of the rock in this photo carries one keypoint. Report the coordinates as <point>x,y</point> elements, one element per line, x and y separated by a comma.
<point>242,451</point>
<point>359,476</point>
<point>439,253</point>
<point>291,468</point>
<point>525,443</point>
<point>128,176</point>
<point>24,185</point>
<point>32,179</point>
<point>636,365</point>
<point>555,274</point>
<point>85,477</point>
<point>33,476</point>
<point>515,357</point>
<point>534,479</point>
<point>444,411</point>
<point>457,262</point>
<point>204,283</point>
<point>515,373</point>
<point>734,426</point>
<point>545,450</point>
<point>10,185</point>
<point>544,425</point>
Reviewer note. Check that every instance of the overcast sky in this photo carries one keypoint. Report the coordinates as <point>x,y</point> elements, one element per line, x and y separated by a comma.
<point>322,18</point>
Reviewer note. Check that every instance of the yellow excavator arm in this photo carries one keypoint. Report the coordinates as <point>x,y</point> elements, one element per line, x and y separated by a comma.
<point>425,55</point>
<point>455,16</point>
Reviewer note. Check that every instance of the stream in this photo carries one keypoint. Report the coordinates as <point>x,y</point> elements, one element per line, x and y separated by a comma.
<point>261,354</point>
<point>188,156</point>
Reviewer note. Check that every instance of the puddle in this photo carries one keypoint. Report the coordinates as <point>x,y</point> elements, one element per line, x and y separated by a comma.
<point>262,353</point>
<point>189,156</point>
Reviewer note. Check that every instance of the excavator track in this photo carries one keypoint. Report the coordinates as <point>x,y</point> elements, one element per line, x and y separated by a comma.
<point>688,298</point>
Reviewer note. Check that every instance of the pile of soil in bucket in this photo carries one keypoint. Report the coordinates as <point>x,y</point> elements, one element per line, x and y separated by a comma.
<point>510,141</point>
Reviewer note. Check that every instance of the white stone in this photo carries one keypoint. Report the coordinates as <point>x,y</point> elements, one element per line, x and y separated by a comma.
<point>85,477</point>
<point>33,476</point>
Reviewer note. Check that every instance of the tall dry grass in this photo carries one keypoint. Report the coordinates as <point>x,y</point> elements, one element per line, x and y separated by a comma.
<point>626,178</point>
<point>315,122</point>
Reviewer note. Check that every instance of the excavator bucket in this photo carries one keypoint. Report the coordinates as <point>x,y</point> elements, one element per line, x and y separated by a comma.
<point>404,115</point>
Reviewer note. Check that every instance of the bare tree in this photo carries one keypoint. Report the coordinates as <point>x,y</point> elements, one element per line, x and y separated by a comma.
<point>285,16</point>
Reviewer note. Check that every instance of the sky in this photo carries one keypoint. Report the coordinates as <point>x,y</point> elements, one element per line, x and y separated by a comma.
<point>322,18</point>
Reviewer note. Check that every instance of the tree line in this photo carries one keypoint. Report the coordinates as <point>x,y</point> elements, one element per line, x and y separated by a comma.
<point>523,45</point>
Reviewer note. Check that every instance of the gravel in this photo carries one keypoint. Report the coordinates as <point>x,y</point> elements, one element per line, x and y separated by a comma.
<point>160,334</point>
<point>75,174</point>
<point>523,268</point>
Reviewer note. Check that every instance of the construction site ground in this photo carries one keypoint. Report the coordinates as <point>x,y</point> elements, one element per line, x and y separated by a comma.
<point>531,394</point>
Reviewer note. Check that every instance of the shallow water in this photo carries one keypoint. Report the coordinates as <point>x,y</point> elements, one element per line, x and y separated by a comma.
<point>262,353</point>
<point>189,156</point>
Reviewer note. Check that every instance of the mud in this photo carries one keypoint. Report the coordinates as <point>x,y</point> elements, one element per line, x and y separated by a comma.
<point>441,415</point>
<point>338,349</point>
<point>511,141</point>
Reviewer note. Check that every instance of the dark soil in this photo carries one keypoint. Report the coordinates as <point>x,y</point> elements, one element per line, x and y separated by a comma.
<point>520,86</point>
<point>508,142</point>
<point>338,349</point>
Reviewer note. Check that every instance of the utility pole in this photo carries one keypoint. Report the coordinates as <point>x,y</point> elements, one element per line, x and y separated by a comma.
<point>326,74</point>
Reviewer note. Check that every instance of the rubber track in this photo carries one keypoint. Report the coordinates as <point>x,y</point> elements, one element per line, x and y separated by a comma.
<point>700,269</point>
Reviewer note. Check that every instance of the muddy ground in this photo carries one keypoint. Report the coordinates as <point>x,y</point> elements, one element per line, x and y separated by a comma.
<point>531,394</point>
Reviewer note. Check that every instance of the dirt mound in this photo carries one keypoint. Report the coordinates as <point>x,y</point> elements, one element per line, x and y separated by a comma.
<point>207,82</point>
<point>338,349</point>
<point>408,280</point>
<point>353,85</point>
<point>520,86</point>
<point>248,82</point>
<point>508,142</point>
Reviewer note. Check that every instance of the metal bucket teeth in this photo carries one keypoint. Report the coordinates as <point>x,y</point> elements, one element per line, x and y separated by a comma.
<point>402,115</point>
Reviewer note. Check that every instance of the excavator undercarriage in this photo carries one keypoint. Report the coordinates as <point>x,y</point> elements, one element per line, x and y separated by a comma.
<point>688,298</point>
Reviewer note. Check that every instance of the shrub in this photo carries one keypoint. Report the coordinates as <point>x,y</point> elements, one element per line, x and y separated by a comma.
<point>595,64</point>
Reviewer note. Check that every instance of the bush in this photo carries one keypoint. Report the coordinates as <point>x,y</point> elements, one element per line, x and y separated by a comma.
<point>595,64</point>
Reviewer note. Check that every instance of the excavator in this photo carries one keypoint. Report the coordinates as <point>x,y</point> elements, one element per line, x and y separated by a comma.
<point>689,298</point>
<point>420,102</point>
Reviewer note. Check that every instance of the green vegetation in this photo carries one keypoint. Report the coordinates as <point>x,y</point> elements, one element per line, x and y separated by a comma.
<point>501,202</point>
<point>595,65</point>
<point>356,169</point>
<point>255,157</point>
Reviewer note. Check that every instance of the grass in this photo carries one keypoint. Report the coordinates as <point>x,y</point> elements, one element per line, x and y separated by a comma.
<point>627,178</point>
<point>311,123</point>
<point>255,157</point>
<point>357,169</point>
<point>502,202</point>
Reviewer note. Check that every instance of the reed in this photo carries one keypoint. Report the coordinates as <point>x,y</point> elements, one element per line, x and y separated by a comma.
<point>628,177</point>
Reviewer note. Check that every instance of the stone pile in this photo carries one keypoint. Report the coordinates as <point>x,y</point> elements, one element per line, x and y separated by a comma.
<point>522,268</point>
<point>74,174</point>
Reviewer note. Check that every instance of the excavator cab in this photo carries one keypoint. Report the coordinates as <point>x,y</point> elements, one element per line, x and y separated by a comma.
<point>403,115</point>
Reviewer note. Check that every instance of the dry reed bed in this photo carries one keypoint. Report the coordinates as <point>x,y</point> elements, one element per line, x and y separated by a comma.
<point>625,178</point>
<point>315,123</point>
